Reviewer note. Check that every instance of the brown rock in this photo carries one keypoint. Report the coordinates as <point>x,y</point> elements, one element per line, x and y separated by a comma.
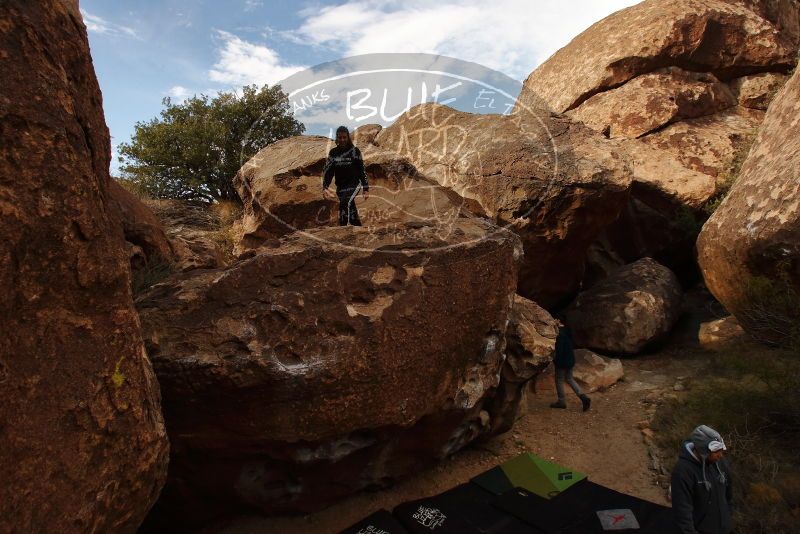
<point>365,134</point>
<point>652,101</point>
<point>725,39</point>
<point>784,14</point>
<point>554,182</point>
<point>630,309</point>
<point>82,441</point>
<point>758,90</point>
<point>336,359</point>
<point>140,226</point>
<point>710,144</point>
<point>197,235</point>
<point>281,188</point>
<point>756,229</point>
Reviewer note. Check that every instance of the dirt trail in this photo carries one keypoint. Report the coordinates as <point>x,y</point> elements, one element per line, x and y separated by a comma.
<point>606,443</point>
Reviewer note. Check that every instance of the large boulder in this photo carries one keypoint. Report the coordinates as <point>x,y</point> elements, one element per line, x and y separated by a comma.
<point>757,91</point>
<point>330,360</point>
<point>141,227</point>
<point>635,306</point>
<point>726,39</point>
<point>554,182</point>
<point>653,100</point>
<point>756,229</point>
<point>281,188</point>
<point>82,440</point>
<point>711,144</point>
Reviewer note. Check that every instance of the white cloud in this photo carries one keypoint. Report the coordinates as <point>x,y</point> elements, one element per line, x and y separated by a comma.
<point>178,92</point>
<point>250,5</point>
<point>512,36</point>
<point>242,62</point>
<point>100,25</point>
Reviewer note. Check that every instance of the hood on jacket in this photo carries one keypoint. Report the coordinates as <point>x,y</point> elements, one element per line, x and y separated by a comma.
<point>686,456</point>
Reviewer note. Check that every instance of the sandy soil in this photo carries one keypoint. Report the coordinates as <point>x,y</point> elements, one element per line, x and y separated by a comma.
<point>607,443</point>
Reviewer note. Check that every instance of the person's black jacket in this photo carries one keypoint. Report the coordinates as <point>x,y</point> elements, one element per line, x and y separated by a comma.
<point>347,165</point>
<point>565,349</point>
<point>696,507</point>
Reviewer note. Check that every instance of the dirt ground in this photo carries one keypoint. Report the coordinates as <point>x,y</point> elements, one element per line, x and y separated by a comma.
<point>607,443</point>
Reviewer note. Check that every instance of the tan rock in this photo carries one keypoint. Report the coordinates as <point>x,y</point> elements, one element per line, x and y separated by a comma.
<point>720,332</point>
<point>554,182</point>
<point>331,360</point>
<point>725,39</point>
<point>365,134</point>
<point>594,372</point>
<point>758,90</point>
<point>635,306</point>
<point>82,441</point>
<point>652,101</point>
<point>756,229</point>
<point>709,144</point>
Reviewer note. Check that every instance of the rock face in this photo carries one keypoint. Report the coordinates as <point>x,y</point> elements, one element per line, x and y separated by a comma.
<point>635,306</point>
<point>141,227</point>
<point>726,39</point>
<point>281,188</point>
<point>331,360</point>
<point>554,182</point>
<point>653,100</point>
<point>82,440</point>
<point>756,229</point>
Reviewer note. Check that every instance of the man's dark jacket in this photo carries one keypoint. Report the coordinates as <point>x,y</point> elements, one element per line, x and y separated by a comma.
<point>565,349</point>
<point>347,165</point>
<point>698,509</point>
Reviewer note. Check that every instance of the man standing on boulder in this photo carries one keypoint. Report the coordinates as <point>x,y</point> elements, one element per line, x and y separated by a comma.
<point>346,164</point>
<point>564,362</point>
<point>701,485</point>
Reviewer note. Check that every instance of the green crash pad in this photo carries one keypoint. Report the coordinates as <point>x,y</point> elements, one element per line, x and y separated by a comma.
<point>537,475</point>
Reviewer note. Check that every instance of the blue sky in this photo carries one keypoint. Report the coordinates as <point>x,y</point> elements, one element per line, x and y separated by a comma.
<point>145,50</point>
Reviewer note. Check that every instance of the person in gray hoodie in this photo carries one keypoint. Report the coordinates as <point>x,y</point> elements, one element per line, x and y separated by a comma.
<point>702,499</point>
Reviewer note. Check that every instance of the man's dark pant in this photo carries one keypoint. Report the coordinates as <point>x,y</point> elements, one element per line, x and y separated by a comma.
<point>347,206</point>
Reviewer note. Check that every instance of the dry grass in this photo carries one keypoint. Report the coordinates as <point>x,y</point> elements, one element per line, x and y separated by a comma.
<point>750,396</point>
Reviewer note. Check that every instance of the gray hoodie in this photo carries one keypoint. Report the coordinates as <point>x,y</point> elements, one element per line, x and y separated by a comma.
<point>701,492</point>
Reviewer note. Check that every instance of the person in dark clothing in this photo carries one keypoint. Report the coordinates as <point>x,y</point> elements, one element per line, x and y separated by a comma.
<point>347,166</point>
<point>564,362</point>
<point>702,498</point>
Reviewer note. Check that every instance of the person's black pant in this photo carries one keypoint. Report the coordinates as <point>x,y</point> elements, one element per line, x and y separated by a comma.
<point>348,213</point>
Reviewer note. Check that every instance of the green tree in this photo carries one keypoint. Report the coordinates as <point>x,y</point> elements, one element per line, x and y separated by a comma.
<point>193,149</point>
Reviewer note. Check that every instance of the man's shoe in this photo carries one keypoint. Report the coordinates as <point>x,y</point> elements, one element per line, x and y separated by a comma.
<point>586,402</point>
<point>559,404</point>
